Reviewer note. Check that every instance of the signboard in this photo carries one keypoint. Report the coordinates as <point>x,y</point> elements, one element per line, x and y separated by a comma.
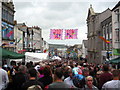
<point>116,51</point>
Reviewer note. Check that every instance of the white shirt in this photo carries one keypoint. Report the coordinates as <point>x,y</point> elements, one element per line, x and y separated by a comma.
<point>111,84</point>
<point>3,78</point>
<point>69,81</point>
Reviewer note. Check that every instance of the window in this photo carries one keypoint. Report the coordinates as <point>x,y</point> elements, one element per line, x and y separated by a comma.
<point>3,13</point>
<point>117,15</point>
<point>117,31</point>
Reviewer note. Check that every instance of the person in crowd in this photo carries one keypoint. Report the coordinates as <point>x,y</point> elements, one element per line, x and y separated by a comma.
<point>19,78</point>
<point>12,68</point>
<point>89,84</point>
<point>105,76</point>
<point>79,81</point>
<point>41,72</point>
<point>32,80</point>
<point>69,80</point>
<point>3,77</point>
<point>76,69</point>
<point>85,72</point>
<point>47,78</point>
<point>98,78</point>
<point>113,84</point>
<point>65,73</point>
<point>58,82</point>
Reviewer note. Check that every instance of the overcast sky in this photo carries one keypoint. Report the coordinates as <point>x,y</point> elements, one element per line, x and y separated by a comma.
<point>52,14</point>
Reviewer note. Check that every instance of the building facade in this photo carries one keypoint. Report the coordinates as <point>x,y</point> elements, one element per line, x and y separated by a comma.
<point>106,27</point>
<point>116,30</point>
<point>18,36</point>
<point>8,25</point>
<point>37,39</point>
<point>95,31</point>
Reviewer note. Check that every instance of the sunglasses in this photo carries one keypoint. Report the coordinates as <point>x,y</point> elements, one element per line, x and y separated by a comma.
<point>89,80</point>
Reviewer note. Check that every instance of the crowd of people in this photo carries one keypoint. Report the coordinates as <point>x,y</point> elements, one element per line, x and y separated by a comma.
<point>64,74</point>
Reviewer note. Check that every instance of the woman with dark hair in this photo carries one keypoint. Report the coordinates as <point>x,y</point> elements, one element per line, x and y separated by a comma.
<point>47,79</point>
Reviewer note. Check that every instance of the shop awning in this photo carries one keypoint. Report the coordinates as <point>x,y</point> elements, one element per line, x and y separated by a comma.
<point>6,54</point>
<point>115,60</point>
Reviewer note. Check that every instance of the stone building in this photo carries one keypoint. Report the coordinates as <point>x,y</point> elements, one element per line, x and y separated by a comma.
<point>95,44</point>
<point>116,30</point>
<point>37,39</point>
<point>7,29</point>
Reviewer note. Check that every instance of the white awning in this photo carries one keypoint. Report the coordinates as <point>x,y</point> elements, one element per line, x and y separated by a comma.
<point>35,57</point>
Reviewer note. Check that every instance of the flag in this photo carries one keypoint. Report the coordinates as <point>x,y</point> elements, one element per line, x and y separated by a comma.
<point>71,33</point>
<point>9,34</point>
<point>45,50</point>
<point>35,43</point>
<point>18,41</point>
<point>104,39</point>
<point>56,34</point>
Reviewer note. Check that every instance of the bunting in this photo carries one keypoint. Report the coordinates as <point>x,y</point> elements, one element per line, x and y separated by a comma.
<point>71,33</point>
<point>56,34</point>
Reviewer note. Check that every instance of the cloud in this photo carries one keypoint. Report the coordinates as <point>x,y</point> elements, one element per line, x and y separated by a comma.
<point>58,15</point>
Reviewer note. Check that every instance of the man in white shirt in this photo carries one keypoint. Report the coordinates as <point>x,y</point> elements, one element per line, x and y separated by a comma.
<point>113,84</point>
<point>69,80</point>
<point>3,77</point>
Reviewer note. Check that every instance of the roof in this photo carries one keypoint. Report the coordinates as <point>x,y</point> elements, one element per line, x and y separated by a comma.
<point>57,45</point>
<point>6,54</point>
<point>117,5</point>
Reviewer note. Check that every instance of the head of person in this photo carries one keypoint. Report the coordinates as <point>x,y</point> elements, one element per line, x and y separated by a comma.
<point>35,87</point>
<point>85,72</point>
<point>89,81</point>
<point>58,73</point>
<point>22,68</point>
<point>32,72</point>
<point>98,74</point>
<point>116,73</point>
<point>47,71</point>
<point>105,67</point>
<point>13,63</point>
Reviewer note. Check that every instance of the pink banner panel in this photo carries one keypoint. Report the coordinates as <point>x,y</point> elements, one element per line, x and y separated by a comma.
<point>71,33</point>
<point>56,34</point>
